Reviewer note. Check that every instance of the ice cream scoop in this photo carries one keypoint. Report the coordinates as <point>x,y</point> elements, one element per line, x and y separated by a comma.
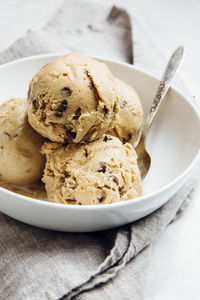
<point>72,99</point>
<point>101,172</point>
<point>21,162</point>
<point>130,115</point>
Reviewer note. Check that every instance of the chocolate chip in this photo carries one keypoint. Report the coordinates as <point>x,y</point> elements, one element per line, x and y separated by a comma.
<point>86,153</point>
<point>28,171</point>
<point>67,174</point>
<point>120,191</point>
<point>70,135</point>
<point>102,167</point>
<point>35,104</point>
<point>62,107</point>
<point>130,136</point>
<point>62,180</point>
<point>2,147</point>
<point>65,144</point>
<point>58,114</point>
<point>66,92</point>
<point>77,114</point>
<point>114,178</point>
<point>105,109</point>
<point>101,199</point>
<point>106,138</point>
<point>71,200</point>
<point>73,134</point>
<point>8,134</point>
<point>64,102</point>
<point>16,135</point>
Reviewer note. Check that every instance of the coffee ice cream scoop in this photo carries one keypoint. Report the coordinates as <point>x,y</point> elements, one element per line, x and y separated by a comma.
<point>72,99</point>
<point>21,162</point>
<point>130,114</point>
<point>101,172</point>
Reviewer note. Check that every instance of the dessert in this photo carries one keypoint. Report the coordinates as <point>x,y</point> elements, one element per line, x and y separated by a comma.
<point>21,162</point>
<point>130,115</point>
<point>72,99</point>
<point>89,117</point>
<point>101,172</point>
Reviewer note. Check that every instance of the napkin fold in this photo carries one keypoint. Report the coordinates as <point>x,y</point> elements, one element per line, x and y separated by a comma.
<point>42,264</point>
<point>81,26</point>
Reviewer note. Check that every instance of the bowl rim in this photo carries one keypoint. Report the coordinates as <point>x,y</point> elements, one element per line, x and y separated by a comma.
<point>137,200</point>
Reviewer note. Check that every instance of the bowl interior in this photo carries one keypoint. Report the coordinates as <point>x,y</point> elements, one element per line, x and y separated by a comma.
<point>173,141</point>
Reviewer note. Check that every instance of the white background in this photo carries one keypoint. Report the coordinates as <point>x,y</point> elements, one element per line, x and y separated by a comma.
<point>175,266</point>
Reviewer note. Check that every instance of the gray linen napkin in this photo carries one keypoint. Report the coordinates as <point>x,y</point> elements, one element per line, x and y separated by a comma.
<point>41,264</point>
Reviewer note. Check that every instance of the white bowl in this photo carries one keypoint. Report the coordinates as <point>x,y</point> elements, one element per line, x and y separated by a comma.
<point>173,143</point>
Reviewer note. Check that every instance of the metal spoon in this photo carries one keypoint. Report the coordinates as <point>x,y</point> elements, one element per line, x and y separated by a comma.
<point>144,159</point>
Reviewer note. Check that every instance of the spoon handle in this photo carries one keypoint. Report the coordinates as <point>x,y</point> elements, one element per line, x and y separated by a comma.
<point>172,66</point>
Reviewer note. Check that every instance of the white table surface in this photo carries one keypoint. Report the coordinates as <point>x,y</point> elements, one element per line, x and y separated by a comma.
<point>174,271</point>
